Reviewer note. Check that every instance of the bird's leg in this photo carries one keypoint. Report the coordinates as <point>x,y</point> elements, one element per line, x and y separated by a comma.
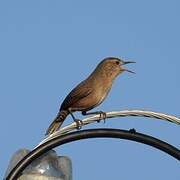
<point>78,122</point>
<point>101,113</point>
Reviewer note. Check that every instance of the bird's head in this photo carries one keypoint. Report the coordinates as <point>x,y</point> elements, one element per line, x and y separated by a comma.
<point>113,66</point>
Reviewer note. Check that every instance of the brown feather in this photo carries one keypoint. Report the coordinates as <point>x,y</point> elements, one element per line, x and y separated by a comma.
<point>56,124</point>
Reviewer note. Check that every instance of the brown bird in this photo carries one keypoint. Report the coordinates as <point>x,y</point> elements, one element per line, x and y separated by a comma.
<point>89,93</point>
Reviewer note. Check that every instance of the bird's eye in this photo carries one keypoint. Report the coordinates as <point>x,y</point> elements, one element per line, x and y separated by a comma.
<point>117,62</point>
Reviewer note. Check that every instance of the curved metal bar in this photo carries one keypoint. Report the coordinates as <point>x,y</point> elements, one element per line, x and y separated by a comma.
<point>92,133</point>
<point>113,114</point>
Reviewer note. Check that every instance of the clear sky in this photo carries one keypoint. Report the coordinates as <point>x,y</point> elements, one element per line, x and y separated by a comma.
<point>47,47</point>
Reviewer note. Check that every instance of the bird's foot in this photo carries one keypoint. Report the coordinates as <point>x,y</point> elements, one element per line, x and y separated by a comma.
<point>101,113</point>
<point>79,123</point>
<point>102,116</point>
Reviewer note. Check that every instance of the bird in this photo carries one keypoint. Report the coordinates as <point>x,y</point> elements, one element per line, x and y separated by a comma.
<point>89,93</point>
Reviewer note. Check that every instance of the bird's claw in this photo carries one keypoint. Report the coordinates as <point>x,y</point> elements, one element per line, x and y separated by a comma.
<point>102,116</point>
<point>79,123</point>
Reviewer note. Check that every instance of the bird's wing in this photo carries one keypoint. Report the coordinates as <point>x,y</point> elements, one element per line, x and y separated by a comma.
<point>79,92</point>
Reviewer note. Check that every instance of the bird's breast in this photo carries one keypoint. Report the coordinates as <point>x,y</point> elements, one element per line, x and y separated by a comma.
<point>103,92</point>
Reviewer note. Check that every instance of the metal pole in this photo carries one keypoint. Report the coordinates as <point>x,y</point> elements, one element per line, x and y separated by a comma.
<point>92,133</point>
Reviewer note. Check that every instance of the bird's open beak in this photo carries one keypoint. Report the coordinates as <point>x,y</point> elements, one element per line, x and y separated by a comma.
<point>127,62</point>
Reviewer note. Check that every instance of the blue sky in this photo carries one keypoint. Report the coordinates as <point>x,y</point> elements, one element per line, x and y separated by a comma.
<point>47,47</point>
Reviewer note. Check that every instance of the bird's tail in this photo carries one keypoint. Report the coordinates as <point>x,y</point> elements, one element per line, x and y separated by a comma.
<point>56,124</point>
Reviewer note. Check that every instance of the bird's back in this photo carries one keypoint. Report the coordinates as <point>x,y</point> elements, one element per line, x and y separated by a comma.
<point>87,95</point>
<point>78,93</point>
